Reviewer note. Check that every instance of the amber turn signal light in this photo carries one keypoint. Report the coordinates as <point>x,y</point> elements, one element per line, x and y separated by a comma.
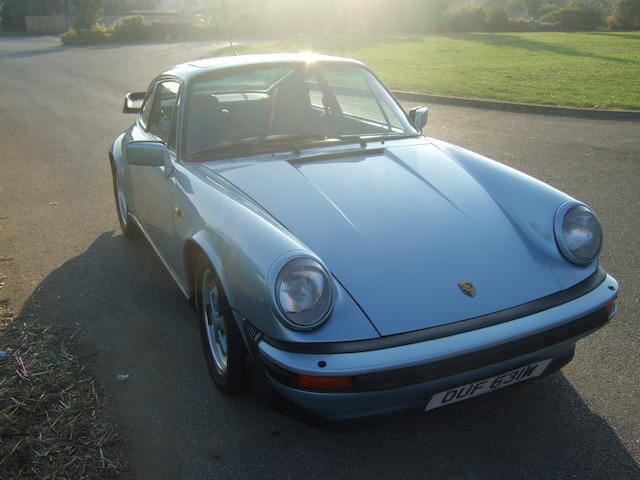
<point>309,382</point>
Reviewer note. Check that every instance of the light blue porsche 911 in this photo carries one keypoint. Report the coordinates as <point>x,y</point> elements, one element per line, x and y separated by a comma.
<point>352,264</point>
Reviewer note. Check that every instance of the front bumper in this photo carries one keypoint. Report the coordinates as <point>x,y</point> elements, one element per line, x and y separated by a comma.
<point>406,376</point>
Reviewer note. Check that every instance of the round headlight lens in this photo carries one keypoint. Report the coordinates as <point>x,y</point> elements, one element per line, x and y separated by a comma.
<point>304,292</point>
<point>581,236</point>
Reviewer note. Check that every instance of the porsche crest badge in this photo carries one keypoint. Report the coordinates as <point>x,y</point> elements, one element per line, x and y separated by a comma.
<point>467,288</point>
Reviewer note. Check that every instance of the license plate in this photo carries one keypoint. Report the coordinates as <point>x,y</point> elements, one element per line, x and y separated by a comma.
<point>470,390</point>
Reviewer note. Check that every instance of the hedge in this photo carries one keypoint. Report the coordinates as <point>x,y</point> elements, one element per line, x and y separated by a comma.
<point>137,29</point>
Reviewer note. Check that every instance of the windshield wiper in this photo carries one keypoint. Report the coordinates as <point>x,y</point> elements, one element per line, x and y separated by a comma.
<point>271,139</point>
<point>358,138</point>
<point>233,147</point>
<point>274,143</point>
<point>375,137</point>
<point>267,144</point>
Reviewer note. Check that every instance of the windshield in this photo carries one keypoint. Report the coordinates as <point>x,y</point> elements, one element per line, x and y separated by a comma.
<point>281,107</point>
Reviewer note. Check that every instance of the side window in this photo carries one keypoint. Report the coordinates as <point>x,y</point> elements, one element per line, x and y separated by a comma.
<point>162,121</point>
<point>146,109</point>
<point>315,92</point>
<point>353,94</point>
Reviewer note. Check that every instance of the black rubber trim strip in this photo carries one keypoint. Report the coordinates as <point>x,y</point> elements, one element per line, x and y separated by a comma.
<point>471,361</point>
<point>454,328</point>
<point>342,154</point>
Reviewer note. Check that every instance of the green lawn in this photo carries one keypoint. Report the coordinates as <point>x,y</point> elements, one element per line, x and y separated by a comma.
<point>600,69</point>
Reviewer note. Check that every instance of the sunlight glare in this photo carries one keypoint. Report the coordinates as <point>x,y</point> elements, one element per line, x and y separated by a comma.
<point>309,56</point>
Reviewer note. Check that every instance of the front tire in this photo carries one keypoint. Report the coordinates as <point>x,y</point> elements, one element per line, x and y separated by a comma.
<point>221,339</point>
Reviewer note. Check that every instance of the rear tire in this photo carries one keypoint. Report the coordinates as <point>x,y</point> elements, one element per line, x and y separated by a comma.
<point>127,227</point>
<point>221,339</point>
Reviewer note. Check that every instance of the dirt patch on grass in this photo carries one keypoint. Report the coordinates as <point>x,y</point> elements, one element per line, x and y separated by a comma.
<point>51,424</point>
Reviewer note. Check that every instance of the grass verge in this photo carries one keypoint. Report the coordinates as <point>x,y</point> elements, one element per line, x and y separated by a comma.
<point>51,425</point>
<point>597,69</point>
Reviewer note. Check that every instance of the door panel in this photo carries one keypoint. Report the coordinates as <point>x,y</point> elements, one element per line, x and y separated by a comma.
<point>153,188</point>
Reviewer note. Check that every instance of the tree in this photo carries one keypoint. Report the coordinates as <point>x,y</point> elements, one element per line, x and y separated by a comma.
<point>516,8</point>
<point>533,7</point>
<point>466,18</point>
<point>626,14</point>
<point>86,13</point>
<point>434,15</point>
<point>13,12</point>
<point>577,18</point>
<point>497,20</point>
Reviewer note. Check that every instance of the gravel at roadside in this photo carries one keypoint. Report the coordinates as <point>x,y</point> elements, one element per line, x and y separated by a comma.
<point>51,423</point>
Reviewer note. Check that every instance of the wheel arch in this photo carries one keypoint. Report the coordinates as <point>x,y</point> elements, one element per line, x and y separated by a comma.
<point>118,165</point>
<point>116,156</point>
<point>190,254</point>
<point>112,163</point>
<point>193,247</point>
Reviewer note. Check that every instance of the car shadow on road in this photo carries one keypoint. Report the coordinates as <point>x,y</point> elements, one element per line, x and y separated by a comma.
<point>130,319</point>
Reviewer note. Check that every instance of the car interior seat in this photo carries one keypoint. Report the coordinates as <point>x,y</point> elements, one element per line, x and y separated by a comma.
<point>206,124</point>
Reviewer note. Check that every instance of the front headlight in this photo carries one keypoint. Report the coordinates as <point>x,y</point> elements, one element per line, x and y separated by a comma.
<point>578,233</point>
<point>303,292</point>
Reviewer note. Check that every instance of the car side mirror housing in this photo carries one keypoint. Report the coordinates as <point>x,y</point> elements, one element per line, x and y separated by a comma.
<point>133,102</point>
<point>419,117</point>
<point>148,154</point>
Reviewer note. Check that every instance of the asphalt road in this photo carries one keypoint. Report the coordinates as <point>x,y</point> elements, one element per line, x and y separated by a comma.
<point>59,111</point>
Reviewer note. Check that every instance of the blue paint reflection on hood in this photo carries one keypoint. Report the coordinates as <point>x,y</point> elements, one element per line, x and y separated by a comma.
<point>399,228</point>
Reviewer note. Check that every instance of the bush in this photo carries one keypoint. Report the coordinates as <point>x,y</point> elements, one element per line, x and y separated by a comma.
<point>131,29</point>
<point>137,29</point>
<point>580,18</point>
<point>539,26</point>
<point>97,34</point>
<point>178,30</point>
<point>466,18</point>
<point>518,25</point>
<point>497,20</point>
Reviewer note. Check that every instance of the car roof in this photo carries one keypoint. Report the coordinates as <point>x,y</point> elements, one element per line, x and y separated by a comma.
<point>196,67</point>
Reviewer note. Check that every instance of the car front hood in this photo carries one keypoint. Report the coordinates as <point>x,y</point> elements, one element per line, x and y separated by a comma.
<point>401,228</point>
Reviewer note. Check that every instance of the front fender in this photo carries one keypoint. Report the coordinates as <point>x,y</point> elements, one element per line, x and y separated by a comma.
<point>242,244</point>
<point>120,166</point>
<point>116,154</point>
<point>528,203</point>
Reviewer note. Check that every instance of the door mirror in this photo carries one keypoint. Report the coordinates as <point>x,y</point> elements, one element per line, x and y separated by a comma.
<point>419,117</point>
<point>148,154</point>
<point>133,102</point>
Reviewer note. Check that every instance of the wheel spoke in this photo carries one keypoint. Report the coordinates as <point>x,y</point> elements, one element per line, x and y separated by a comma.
<point>214,323</point>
